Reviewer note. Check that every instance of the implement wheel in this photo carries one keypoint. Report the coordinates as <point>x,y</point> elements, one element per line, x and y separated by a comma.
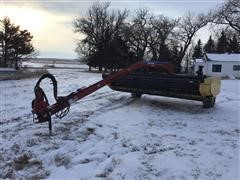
<point>136,95</point>
<point>209,102</point>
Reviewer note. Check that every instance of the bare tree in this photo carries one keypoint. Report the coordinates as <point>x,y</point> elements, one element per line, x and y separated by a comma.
<point>188,58</point>
<point>188,27</point>
<point>100,28</point>
<point>138,32</point>
<point>161,33</point>
<point>228,14</point>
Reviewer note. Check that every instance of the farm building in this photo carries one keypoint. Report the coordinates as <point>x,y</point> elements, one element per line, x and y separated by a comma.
<point>219,64</point>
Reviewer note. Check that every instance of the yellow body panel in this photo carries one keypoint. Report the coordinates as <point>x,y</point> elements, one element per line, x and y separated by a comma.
<point>210,86</point>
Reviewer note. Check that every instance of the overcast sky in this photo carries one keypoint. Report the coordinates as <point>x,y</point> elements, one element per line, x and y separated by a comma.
<point>50,21</point>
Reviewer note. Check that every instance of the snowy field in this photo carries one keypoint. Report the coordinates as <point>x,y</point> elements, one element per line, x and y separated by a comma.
<point>46,64</point>
<point>109,135</point>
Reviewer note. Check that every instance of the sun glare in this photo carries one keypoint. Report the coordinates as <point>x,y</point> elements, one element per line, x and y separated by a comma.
<point>28,18</point>
<point>51,31</point>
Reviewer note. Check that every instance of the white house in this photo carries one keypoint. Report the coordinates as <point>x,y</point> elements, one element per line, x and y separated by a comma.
<point>219,64</point>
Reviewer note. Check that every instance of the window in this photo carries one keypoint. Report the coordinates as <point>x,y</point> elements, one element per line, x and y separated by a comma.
<point>216,68</point>
<point>236,67</point>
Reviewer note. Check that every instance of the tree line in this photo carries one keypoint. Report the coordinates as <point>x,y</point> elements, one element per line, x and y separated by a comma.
<point>223,43</point>
<point>113,40</point>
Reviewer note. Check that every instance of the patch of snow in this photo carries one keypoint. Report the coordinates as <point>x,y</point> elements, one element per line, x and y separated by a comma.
<point>231,77</point>
<point>7,70</point>
<point>199,61</point>
<point>110,135</point>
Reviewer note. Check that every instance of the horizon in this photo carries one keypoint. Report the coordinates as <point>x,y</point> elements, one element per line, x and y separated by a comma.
<point>50,22</point>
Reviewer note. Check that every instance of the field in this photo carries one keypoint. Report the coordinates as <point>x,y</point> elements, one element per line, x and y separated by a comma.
<point>111,135</point>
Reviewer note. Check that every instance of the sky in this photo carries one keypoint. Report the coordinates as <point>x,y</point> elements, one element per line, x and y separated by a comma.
<point>50,21</point>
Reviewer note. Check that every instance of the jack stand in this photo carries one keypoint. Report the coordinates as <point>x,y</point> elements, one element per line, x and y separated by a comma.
<point>50,126</point>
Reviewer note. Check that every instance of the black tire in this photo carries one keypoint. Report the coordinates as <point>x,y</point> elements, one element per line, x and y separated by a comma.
<point>213,101</point>
<point>136,95</point>
<point>209,102</point>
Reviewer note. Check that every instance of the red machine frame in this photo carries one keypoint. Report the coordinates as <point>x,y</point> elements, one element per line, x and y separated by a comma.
<point>44,111</point>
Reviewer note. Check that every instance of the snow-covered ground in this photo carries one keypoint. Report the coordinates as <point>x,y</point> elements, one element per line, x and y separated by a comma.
<point>110,135</point>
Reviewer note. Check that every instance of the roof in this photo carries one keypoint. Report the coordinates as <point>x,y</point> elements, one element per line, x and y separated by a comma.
<point>223,57</point>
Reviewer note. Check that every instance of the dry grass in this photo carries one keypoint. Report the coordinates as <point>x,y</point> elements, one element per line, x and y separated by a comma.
<point>22,74</point>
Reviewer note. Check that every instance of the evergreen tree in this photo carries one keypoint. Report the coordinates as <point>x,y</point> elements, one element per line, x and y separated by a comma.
<point>222,44</point>
<point>234,45</point>
<point>210,46</point>
<point>15,44</point>
<point>198,52</point>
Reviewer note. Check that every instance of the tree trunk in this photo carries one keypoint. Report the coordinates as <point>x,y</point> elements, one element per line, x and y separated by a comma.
<point>16,59</point>
<point>16,64</point>
<point>187,62</point>
<point>5,57</point>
